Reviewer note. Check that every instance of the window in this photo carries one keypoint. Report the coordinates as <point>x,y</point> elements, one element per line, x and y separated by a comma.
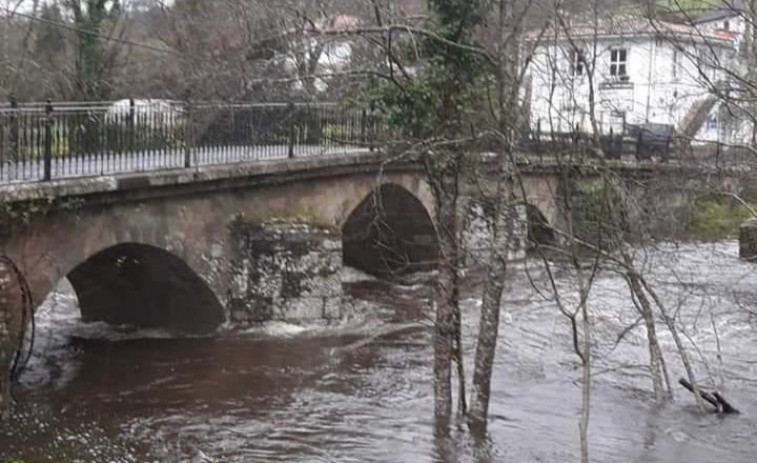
<point>618,62</point>
<point>726,25</point>
<point>576,63</point>
<point>712,123</point>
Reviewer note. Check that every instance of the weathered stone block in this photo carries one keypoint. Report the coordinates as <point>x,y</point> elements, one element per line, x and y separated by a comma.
<point>748,240</point>
<point>303,308</point>
<point>285,272</point>
<point>477,234</point>
<point>332,308</point>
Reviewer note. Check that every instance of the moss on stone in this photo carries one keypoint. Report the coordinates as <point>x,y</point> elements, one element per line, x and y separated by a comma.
<point>595,208</point>
<point>714,217</point>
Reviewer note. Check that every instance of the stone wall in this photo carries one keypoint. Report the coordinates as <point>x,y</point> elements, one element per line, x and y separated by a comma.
<point>285,272</point>
<point>477,230</point>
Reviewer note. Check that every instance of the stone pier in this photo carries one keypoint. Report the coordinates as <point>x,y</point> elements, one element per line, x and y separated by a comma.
<point>285,272</point>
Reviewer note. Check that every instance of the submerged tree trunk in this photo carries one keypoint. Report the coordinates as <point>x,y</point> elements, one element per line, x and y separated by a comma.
<point>507,122</point>
<point>5,360</point>
<point>670,323</point>
<point>5,395</point>
<point>15,309</point>
<point>488,329</point>
<point>8,330</point>
<point>656,363</point>
<point>583,424</point>
<point>462,405</point>
<point>446,302</point>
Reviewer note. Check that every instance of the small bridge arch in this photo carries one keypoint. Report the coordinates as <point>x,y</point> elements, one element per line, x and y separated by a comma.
<point>390,233</point>
<point>539,230</point>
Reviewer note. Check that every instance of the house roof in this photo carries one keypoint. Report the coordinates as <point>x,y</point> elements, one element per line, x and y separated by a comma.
<point>629,26</point>
<point>722,9</point>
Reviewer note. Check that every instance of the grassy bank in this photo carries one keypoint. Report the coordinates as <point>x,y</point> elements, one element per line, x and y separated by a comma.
<point>716,217</point>
<point>701,215</point>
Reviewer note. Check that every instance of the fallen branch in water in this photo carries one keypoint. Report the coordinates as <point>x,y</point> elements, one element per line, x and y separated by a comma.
<point>715,399</point>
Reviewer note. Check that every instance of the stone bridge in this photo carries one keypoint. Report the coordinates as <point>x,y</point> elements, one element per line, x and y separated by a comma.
<point>193,249</point>
<point>190,250</point>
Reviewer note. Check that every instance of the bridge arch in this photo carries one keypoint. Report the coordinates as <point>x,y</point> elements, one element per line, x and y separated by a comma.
<point>144,286</point>
<point>390,233</point>
<point>539,231</point>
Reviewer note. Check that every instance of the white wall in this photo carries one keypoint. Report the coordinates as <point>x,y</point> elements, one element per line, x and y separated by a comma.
<point>653,92</point>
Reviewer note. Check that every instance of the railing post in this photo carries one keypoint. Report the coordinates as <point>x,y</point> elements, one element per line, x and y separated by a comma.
<point>14,120</point>
<point>363,126</point>
<point>188,134</point>
<point>131,125</point>
<point>371,127</point>
<point>610,152</point>
<point>291,130</point>
<point>48,160</point>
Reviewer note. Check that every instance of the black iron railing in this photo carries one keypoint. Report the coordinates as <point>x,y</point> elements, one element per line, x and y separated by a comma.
<point>642,142</point>
<point>45,141</point>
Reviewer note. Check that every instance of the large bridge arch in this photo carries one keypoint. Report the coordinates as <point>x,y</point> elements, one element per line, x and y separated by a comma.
<point>390,233</point>
<point>129,283</point>
<point>144,286</point>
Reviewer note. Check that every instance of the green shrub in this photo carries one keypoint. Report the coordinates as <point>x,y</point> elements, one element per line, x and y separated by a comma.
<point>714,218</point>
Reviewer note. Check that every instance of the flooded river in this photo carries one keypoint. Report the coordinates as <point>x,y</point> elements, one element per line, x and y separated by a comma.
<point>360,391</point>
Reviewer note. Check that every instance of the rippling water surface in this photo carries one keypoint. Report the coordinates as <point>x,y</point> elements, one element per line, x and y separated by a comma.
<point>360,391</point>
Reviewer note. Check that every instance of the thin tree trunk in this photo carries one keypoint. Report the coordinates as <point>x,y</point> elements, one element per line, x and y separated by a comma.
<point>488,329</point>
<point>583,424</point>
<point>444,326</point>
<point>5,395</point>
<point>7,343</point>
<point>462,405</point>
<point>655,354</point>
<point>670,323</point>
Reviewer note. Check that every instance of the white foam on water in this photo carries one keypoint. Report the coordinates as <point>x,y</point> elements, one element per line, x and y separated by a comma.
<point>277,329</point>
<point>353,275</point>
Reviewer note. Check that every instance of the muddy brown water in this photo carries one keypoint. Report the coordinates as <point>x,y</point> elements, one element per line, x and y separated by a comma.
<point>360,391</point>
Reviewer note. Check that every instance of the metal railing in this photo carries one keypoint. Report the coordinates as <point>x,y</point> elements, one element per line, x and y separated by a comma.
<point>642,142</point>
<point>46,141</point>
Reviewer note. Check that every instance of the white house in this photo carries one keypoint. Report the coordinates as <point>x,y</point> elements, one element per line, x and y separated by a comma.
<point>635,71</point>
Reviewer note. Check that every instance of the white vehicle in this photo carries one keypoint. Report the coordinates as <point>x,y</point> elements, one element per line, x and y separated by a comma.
<point>145,112</point>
